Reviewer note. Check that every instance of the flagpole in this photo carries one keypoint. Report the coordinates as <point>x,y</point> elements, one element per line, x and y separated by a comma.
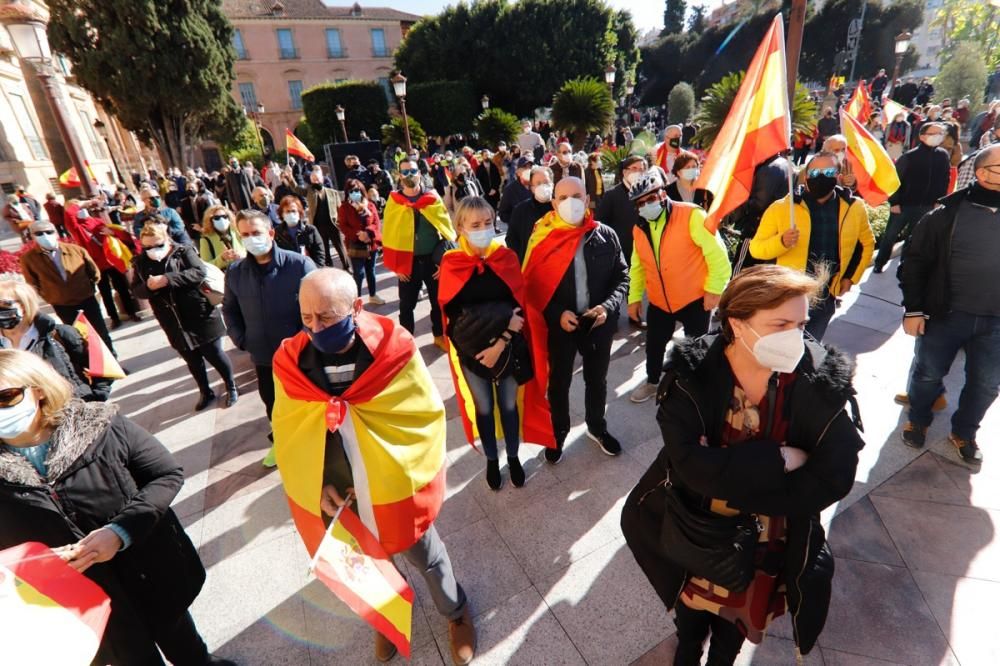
<point>326,534</point>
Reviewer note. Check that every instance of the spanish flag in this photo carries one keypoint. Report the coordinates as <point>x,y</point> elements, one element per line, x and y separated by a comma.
<point>392,423</point>
<point>758,127</point>
<point>295,147</point>
<point>399,228</point>
<point>860,104</point>
<point>117,254</point>
<point>872,166</point>
<point>891,109</point>
<point>70,177</point>
<point>352,563</point>
<point>533,406</point>
<point>551,248</point>
<point>49,613</point>
<point>100,361</point>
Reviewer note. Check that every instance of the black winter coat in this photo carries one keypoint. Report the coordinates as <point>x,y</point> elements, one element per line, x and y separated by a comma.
<point>103,468</point>
<point>522,223</point>
<point>308,239</point>
<point>924,173</point>
<point>616,211</point>
<point>694,396</point>
<point>65,350</point>
<point>184,313</point>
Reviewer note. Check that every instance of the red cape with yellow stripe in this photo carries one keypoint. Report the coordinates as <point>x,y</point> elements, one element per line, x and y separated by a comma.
<point>456,268</point>
<point>551,248</point>
<point>399,228</point>
<point>392,423</point>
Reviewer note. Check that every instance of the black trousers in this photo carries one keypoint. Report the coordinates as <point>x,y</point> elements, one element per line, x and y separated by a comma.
<point>333,243</point>
<point>409,293</point>
<point>693,627</point>
<point>265,387</point>
<point>595,348</point>
<point>111,277</point>
<point>820,316</point>
<point>213,353</point>
<point>92,311</point>
<point>181,644</point>
<point>660,327</point>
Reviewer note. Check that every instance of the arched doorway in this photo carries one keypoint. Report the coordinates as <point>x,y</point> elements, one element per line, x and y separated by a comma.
<point>268,141</point>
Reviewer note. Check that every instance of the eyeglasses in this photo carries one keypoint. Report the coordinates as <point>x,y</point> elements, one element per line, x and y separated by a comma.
<point>39,234</point>
<point>12,396</point>
<point>829,172</point>
<point>154,247</point>
<point>409,172</point>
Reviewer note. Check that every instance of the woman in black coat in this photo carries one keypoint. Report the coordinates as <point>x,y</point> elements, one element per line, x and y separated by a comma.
<point>170,277</point>
<point>755,424</point>
<point>24,327</point>
<point>96,488</point>
<point>295,234</point>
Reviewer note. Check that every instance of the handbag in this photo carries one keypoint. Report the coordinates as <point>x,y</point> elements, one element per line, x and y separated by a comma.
<point>717,548</point>
<point>358,250</point>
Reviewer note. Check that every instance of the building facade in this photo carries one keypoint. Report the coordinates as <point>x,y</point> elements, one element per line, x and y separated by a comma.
<point>284,47</point>
<point>929,40</point>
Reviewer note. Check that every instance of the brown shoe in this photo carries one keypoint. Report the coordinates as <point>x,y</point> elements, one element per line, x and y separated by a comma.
<point>967,449</point>
<point>462,634</point>
<point>384,649</point>
<point>939,405</point>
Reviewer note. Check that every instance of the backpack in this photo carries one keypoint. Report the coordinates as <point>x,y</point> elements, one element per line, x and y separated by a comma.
<point>213,287</point>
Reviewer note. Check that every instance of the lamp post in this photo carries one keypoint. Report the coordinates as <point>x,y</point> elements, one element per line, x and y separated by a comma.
<point>339,110</point>
<point>254,116</point>
<point>27,31</point>
<point>609,75</point>
<point>399,87</point>
<point>902,43</point>
<point>102,129</point>
<point>485,101</point>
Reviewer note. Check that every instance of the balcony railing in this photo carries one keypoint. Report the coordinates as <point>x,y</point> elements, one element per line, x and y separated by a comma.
<point>288,53</point>
<point>380,52</point>
<point>336,53</point>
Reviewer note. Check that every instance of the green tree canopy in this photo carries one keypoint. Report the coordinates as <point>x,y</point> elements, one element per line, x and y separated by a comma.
<point>449,107</point>
<point>973,21</point>
<point>964,74</point>
<point>697,21</point>
<point>364,103</point>
<point>680,103</point>
<point>582,106</point>
<point>495,125</point>
<point>164,69</point>
<point>393,132</point>
<point>552,41</point>
<point>673,16</point>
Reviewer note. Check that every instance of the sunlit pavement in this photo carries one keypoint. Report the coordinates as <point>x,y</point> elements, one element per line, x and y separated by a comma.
<point>549,578</point>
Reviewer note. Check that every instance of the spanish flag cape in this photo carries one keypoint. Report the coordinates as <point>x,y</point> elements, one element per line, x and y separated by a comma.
<point>399,228</point>
<point>392,422</point>
<point>551,248</point>
<point>456,268</point>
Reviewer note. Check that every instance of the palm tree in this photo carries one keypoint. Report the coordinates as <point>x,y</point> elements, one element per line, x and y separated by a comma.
<point>496,125</point>
<point>719,98</point>
<point>582,106</point>
<point>394,133</point>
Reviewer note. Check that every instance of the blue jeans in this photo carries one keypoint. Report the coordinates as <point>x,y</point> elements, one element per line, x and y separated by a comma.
<point>899,226</point>
<point>506,398</point>
<point>364,268</point>
<point>979,336</point>
<point>820,316</point>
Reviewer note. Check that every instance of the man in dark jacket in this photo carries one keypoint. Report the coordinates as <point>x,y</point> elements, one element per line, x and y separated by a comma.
<point>924,173</point>
<point>240,182</point>
<point>516,190</point>
<point>380,178</point>
<point>528,212</point>
<point>828,125</point>
<point>879,82</point>
<point>356,171</point>
<point>950,280</point>
<point>578,294</point>
<point>322,204</point>
<point>615,208</point>
<point>770,183</point>
<point>490,179</point>
<point>261,306</point>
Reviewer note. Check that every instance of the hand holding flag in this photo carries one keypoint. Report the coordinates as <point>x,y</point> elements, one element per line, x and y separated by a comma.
<point>100,361</point>
<point>870,163</point>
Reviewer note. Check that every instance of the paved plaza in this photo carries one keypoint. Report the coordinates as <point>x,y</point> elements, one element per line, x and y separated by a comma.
<point>549,577</point>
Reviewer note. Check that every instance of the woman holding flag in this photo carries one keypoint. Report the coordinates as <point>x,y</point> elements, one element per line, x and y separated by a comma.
<point>482,298</point>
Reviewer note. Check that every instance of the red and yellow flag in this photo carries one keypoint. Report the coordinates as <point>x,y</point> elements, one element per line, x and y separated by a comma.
<point>533,405</point>
<point>100,361</point>
<point>117,254</point>
<point>872,166</point>
<point>399,228</point>
<point>758,127</point>
<point>295,147</point>
<point>70,177</point>
<point>49,613</point>
<point>860,104</point>
<point>352,563</point>
<point>891,109</point>
<point>392,424</point>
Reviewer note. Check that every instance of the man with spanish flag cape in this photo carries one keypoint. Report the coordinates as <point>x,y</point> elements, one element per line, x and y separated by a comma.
<point>356,412</point>
<point>482,272</point>
<point>578,280</point>
<point>414,224</point>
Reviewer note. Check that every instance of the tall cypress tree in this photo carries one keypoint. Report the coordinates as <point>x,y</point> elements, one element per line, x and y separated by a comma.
<point>673,16</point>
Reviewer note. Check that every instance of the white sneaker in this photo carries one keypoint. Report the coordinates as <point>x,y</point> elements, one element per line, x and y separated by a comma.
<point>643,393</point>
<point>375,300</point>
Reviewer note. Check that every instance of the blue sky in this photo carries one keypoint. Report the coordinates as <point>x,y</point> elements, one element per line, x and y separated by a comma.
<point>646,13</point>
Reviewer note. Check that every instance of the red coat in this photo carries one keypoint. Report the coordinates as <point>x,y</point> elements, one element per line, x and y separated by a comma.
<point>350,223</point>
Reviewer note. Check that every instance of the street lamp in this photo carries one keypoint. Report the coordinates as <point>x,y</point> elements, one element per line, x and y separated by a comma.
<point>609,75</point>
<point>102,129</point>
<point>339,110</point>
<point>399,87</point>
<point>254,116</point>
<point>485,101</point>
<point>902,43</point>
<point>27,31</point>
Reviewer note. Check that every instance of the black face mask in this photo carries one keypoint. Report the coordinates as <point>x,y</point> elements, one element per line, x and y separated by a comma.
<point>675,143</point>
<point>9,318</point>
<point>317,186</point>
<point>820,186</point>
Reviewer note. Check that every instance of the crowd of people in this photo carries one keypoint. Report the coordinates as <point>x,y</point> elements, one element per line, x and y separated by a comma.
<point>529,255</point>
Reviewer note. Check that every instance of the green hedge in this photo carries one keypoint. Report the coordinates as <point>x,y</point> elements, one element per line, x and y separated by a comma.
<point>365,108</point>
<point>447,107</point>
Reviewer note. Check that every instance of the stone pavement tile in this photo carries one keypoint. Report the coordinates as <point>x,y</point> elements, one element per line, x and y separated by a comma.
<point>468,471</point>
<point>858,534</point>
<point>923,479</point>
<point>960,605</point>
<point>943,538</point>
<point>877,462</point>
<point>838,658</point>
<point>646,452</point>
<point>522,630</point>
<point>982,486</point>
<point>606,606</point>
<point>859,339</point>
<point>273,638</point>
<point>224,486</point>
<point>878,611</point>
<point>241,524</point>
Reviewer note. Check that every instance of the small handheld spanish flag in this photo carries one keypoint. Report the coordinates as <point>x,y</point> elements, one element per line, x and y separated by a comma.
<point>49,612</point>
<point>295,147</point>
<point>100,361</point>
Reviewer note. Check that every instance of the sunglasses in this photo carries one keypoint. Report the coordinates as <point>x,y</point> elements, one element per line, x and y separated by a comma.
<point>154,247</point>
<point>409,172</point>
<point>219,217</point>
<point>829,172</point>
<point>39,234</point>
<point>12,396</point>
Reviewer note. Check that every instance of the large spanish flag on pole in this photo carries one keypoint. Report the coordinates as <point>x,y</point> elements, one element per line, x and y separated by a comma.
<point>295,147</point>
<point>758,127</point>
<point>399,228</point>
<point>872,166</point>
<point>392,424</point>
<point>860,104</point>
<point>100,361</point>
<point>533,405</point>
<point>49,613</point>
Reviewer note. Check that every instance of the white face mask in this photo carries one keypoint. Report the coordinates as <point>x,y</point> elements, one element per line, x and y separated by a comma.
<point>17,420</point>
<point>480,238</point>
<point>630,177</point>
<point>543,193</point>
<point>159,253</point>
<point>933,140</point>
<point>781,351</point>
<point>651,211</point>
<point>689,174</point>
<point>220,224</point>
<point>291,218</point>
<point>572,210</point>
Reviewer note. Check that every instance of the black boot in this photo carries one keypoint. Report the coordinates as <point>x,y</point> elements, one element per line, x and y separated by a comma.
<point>493,478</point>
<point>205,400</point>
<point>516,471</point>
<point>232,395</point>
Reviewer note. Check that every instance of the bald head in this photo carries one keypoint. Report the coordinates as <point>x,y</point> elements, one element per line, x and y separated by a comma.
<point>569,187</point>
<point>987,166</point>
<point>331,288</point>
